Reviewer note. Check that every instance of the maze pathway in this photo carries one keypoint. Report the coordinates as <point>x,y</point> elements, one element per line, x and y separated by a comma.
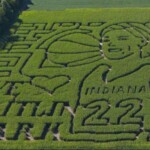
<point>75,82</point>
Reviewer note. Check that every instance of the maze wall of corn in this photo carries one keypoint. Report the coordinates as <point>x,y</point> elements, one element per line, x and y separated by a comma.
<point>76,79</point>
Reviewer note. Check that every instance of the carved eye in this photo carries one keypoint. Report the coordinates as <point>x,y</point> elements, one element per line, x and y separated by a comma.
<point>122,38</point>
<point>114,49</point>
<point>106,40</point>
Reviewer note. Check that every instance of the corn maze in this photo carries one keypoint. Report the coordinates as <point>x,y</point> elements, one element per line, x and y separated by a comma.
<point>76,82</point>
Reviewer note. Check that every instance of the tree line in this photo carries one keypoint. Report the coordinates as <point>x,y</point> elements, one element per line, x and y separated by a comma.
<point>8,11</point>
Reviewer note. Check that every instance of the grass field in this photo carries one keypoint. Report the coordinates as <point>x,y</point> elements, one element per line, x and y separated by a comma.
<point>63,4</point>
<point>76,79</point>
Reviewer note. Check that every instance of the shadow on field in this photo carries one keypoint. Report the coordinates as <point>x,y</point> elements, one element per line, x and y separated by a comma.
<point>6,36</point>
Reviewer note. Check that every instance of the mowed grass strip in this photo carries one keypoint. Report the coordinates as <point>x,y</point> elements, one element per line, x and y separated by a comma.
<point>63,4</point>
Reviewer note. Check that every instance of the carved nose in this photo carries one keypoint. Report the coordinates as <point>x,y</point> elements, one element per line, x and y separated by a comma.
<point>145,52</point>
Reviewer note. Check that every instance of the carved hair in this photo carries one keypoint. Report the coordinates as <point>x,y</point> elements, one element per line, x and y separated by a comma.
<point>138,30</point>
